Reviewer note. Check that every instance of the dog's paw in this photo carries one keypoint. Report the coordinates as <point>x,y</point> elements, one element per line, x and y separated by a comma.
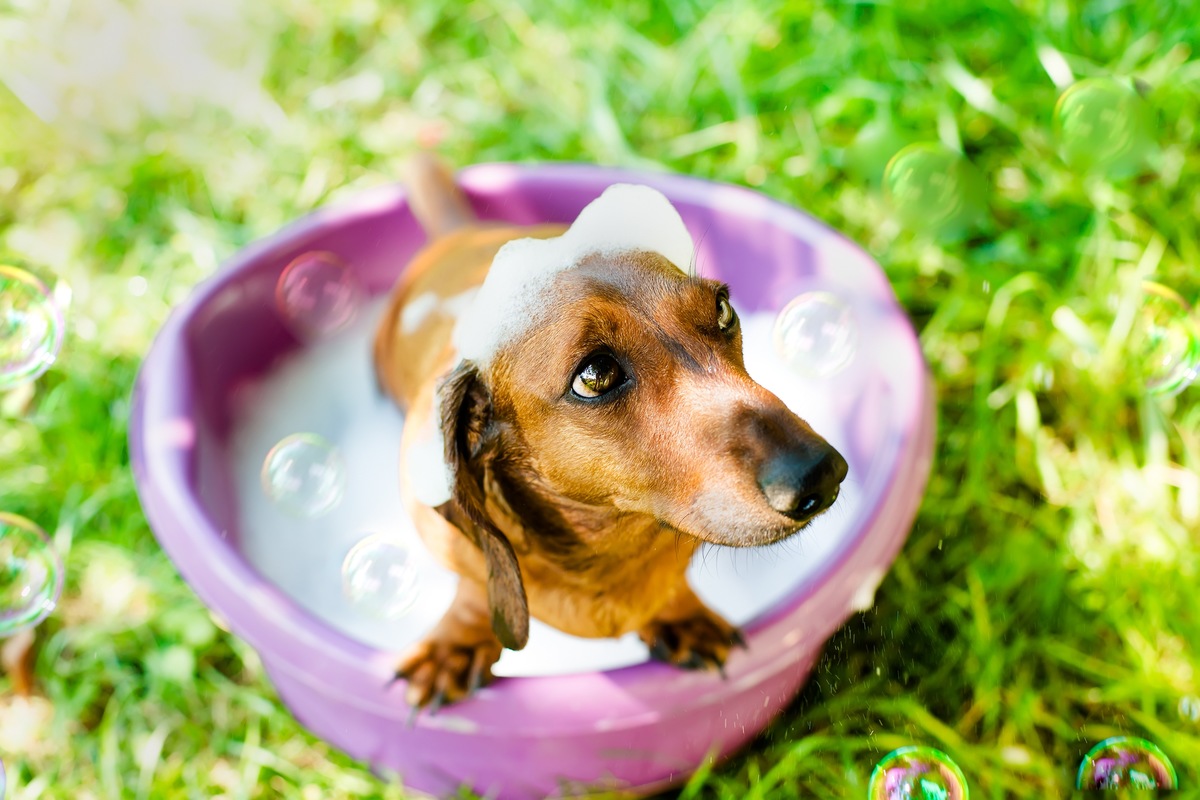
<point>701,641</point>
<point>440,671</point>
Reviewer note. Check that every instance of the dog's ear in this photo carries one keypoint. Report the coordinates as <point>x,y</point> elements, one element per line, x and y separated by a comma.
<point>471,443</point>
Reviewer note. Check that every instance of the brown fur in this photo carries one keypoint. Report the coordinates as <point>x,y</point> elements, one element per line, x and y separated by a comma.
<point>582,514</point>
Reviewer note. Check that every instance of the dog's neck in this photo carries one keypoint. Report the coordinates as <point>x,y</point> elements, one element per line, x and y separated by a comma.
<point>579,538</point>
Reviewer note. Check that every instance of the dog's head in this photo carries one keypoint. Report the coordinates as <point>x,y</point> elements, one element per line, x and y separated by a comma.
<point>617,382</point>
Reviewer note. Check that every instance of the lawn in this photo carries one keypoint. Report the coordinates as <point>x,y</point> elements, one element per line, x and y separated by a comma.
<point>1047,597</point>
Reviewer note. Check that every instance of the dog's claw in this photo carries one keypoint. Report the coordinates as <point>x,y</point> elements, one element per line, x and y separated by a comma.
<point>439,697</point>
<point>475,683</point>
<point>659,651</point>
<point>702,641</point>
<point>738,639</point>
<point>443,672</point>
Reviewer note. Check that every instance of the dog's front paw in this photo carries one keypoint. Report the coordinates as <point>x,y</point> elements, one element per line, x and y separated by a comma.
<point>700,641</point>
<point>441,671</point>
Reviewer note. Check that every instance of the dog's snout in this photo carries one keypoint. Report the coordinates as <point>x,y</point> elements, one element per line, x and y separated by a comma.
<point>802,484</point>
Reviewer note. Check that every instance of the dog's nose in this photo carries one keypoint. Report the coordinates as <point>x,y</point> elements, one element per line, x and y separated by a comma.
<point>802,484</point>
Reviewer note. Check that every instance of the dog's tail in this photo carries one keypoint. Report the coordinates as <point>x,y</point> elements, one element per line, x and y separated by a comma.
<point>436,201</point>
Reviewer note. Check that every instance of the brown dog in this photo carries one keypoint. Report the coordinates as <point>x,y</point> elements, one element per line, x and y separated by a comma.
<point>577,422</point>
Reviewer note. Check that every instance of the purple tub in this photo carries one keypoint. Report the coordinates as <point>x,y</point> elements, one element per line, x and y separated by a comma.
<point>640,728</point>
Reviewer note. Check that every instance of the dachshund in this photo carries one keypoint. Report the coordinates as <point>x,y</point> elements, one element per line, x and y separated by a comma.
<point>578,420</point>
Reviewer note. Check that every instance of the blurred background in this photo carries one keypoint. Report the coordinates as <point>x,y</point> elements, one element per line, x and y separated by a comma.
<point>1020,169</point>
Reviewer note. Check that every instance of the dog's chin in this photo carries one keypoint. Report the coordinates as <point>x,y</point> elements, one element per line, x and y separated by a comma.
<point>774,536</point>
<point>752,529</point>
<point>763,537</point>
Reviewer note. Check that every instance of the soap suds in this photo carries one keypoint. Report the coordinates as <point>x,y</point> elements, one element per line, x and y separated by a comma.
<point>513,297</point>
<point>456,305</point>
<point>421,308</point>
<point>416,311</point>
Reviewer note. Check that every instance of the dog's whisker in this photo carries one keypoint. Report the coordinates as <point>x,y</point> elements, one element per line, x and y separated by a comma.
<point>694,265</point>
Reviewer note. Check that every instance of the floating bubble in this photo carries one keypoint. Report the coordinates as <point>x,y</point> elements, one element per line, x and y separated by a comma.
<point>1,780</point>
<point>1165,340</point>
<point>318,295</point>
<point>816,334</point>
<point>304,475</point>
<point>31,327</point>
<point>1126,762</point>
<point>873,147</point>
<point>1102,125</point>
<point>917,773</point>
<point>380,577</point>
<point>934,188</point>
<point>1189,708</point>
<point>31,575</point>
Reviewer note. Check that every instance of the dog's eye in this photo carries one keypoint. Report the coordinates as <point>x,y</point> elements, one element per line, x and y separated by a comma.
<point>726,316</point>
<point>599,375</point>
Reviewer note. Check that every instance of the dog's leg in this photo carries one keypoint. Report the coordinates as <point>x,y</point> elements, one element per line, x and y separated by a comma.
<point>689,634</point>
<point>456,657</point>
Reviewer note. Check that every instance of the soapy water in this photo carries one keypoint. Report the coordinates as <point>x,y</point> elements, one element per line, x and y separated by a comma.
<point>317,295</point>
<point>31,574</point>
<point>917,773</point>
<point>1165,340</point>
<point>816,334</point>
<point>934,188</point>
<point>1102,125</point>
<point>1126,762</point>
<point>304,475</point>
<point>31,327</point>
<point>380,577</point>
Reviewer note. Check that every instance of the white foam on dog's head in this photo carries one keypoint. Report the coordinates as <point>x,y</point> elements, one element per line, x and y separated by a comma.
<point>514,295</point>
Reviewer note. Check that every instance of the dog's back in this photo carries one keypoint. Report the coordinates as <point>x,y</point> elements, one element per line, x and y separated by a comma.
<point>412,345</point>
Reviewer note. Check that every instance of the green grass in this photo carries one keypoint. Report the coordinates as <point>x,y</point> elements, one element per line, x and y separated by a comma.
<point>1047,596</point>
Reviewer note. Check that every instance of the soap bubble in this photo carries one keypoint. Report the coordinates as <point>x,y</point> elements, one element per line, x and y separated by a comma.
<point>1165,340</point>
<point>380,577</point>
<point>1102,125</point>
<point>31,575</point>
<point>317,294</point>
<point>873,147</point>
<point>1189,708</point>
<point>31,327</point>
<point>304,475</point>
<point>1126,762</point>
<point>934,188</point>
<point>917,773</point>
<point>816,334</point>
